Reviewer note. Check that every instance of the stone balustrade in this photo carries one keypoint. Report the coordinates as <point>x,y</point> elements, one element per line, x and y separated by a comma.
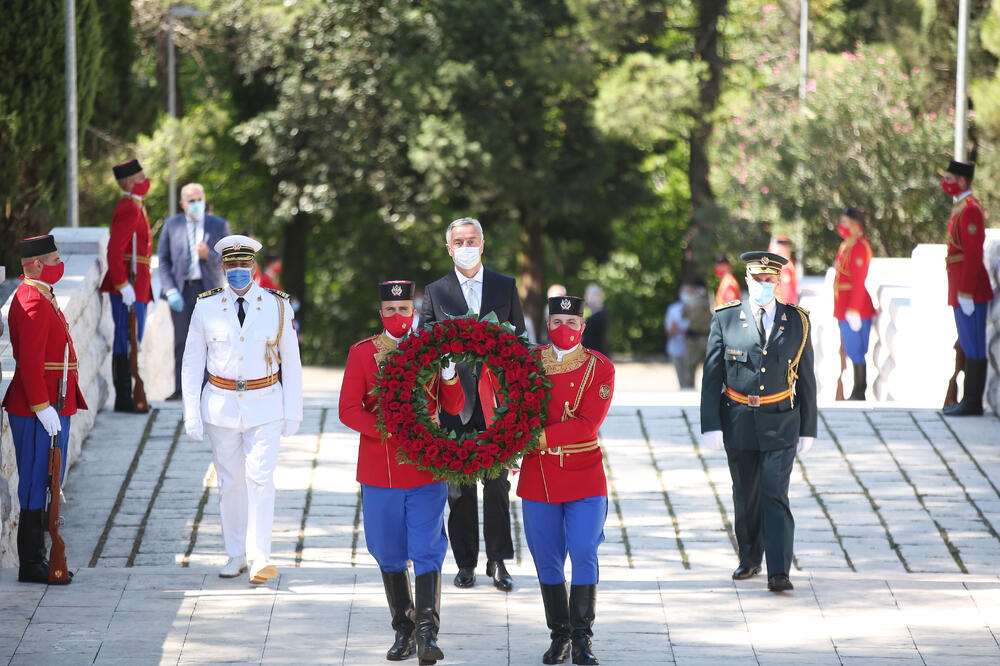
<point>88,313</point>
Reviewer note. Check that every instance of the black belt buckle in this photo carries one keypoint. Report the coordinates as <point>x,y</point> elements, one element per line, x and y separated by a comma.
<point>241,385</point>
<point>753,401</point>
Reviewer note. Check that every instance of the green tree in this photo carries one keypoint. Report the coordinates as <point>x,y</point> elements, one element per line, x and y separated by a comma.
<point>32,113</point>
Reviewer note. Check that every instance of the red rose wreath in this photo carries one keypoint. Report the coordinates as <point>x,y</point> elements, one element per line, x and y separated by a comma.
<point>514,425</point>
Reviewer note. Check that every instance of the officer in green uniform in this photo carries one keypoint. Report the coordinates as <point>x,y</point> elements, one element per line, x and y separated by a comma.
<point>758,399</point>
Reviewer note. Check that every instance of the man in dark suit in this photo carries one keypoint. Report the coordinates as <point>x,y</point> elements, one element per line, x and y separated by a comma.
<point>472,287</point>
<point>758,399</point>
<point>188,264</point>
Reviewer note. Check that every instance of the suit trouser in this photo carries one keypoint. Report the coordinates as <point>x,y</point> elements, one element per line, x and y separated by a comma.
<point>763,520</point>
<point>554,530</point>
<point>182,321</point>
<point>406,524</point>
<point>463,522</point>
<point>245,459</point>
<point>31,451</point>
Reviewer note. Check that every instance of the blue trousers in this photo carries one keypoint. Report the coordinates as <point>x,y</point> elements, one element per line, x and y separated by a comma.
<point>119,314</point>
<point>972,331</point>
<point>856,342</point>
<point>31,450</point>
<point>406,524</point>
<point>554,530</point>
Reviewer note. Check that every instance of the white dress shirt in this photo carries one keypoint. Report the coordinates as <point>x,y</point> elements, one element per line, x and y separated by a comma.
<point>561,353</point>
<point>476,286</point>
<point>199,236</point>
<point>961,196</point>
<point>769,311</point>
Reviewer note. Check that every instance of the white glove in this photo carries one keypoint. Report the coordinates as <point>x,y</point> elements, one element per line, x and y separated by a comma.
<point>290,428</point>
<point>448,371</point>
<point>194,429</point>
<point>968,305</point>
<point>805,443</point>
<point>713,439</point>
<point>50,420</point>
<point>128,295</point>
<point>853,320</point>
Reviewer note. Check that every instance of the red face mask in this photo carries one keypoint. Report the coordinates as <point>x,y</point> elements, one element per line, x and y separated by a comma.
<point>951,189</point>
<point>843,230</point>
<point>52,274</point>
<point>397,325</point>
<point>564,337</point>
<point>720,271</point>
<point>142,188</point>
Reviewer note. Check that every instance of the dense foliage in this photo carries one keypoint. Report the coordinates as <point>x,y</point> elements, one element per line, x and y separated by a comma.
<point>621,143</point>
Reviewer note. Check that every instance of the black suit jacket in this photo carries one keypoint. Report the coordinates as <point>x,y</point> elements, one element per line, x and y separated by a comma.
<point>444,298</point>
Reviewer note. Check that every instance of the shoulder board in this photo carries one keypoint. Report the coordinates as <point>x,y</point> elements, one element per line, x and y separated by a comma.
<point>278,293</point>
<point>799,308</point>
<point>728,305</point>
<point>359,342</point>
<point>211,292</point>
<point>598,355</point>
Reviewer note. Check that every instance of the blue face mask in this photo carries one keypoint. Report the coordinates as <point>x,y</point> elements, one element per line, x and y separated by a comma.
<point>761,293</point>
<point>196,209</point>
<point>238,278</point>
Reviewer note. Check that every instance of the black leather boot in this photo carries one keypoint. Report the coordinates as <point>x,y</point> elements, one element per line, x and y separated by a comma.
<point>582,608</point>
<point>860,382</point>
<point>34,568</point>
<point>972,395</point>
<point>557,618</point>
<point>427,588</point>
<point>397,593</point>
<point>121,375</point>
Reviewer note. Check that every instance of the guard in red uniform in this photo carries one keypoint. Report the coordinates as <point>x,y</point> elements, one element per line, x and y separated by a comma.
<point>788,281</point>
<point>562,484</point>
<point>852,304</point>
<point>969,290</point>
<point>403,506</point>
<point>129,223</point>
<point>729,287</point>
<point>42,346</point>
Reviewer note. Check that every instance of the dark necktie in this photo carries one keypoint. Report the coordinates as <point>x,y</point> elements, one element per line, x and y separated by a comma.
<point>760,326</point>
<point>242,315</point>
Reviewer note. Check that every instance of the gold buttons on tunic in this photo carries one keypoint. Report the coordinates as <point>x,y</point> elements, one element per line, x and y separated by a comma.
<point>763,369</point>
<point>765,352</point>
<point>241,338</point>
<point>761,387</point>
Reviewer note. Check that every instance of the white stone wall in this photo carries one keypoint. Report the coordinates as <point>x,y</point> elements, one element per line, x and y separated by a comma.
<point>88,313</point>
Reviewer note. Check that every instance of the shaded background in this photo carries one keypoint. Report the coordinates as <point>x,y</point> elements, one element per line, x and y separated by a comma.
<point>620,143</point>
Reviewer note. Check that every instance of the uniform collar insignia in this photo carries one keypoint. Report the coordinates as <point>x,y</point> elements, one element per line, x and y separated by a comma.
<point>784,317</point>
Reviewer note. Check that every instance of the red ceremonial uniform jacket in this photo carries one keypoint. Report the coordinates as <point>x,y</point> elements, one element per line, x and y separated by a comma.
<point>851,265</point>
<point>570,465</point>
<point>129,219</point>
<point>377,463</point>
<point>788,284</point>
<point>967,275</point>
<point>729,290</point>
<point>39,335</point>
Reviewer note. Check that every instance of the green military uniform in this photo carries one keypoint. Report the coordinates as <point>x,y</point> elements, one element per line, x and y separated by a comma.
<point>762,397</point>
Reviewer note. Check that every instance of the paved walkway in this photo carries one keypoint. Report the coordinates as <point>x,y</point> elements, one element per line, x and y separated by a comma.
<point>897,516</point>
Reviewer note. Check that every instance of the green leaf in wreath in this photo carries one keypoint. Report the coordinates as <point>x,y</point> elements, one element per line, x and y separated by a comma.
<point>492,318</point>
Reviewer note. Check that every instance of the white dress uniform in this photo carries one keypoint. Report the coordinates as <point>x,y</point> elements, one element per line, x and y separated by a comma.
<point>246,405</point>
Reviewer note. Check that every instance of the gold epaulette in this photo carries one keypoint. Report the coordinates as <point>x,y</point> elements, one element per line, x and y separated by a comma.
<point>728,305</point>
<point>278,293</point>
<point>598,355</point>
<point>799,308</point>
<point>211,292</point>
<point>361,342</point>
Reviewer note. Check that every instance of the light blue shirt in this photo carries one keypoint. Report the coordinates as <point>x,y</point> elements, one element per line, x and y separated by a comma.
<point>476,287</point>
<point>199,237</point>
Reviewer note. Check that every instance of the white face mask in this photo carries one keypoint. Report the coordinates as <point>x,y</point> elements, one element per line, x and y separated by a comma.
<point>761,293</point>
<point>467,257</point>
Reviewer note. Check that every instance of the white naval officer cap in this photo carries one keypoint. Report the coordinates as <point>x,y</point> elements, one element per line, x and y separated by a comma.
<point>238,248</point>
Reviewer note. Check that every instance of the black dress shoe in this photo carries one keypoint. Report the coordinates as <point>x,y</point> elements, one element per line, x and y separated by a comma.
<point>779,583</point>
<point>466,577</point>
<point>174,397</point>
<point>745,571</point>
<point>498,572</point>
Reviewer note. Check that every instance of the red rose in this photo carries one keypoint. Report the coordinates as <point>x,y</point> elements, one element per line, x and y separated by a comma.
<point>462,454</point>
<point>487,461</point>
<point>438,330</point>
<point>492,449</point>
<point>455,465</point>
<point>431,451</point>
<point>410,376</point>
<point>424,359</point>
<point>405,396</point>
<point>457,347</point>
